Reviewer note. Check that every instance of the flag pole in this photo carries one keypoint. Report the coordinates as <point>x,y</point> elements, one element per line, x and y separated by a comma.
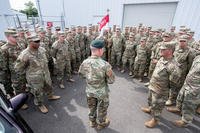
<point>108,10</point>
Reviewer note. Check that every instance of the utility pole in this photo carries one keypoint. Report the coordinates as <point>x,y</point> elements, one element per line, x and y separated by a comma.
<point>39,12</point>
<point>64,16</point>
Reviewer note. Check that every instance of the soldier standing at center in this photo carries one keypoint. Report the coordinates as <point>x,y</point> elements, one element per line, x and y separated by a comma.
<point>98,74</point>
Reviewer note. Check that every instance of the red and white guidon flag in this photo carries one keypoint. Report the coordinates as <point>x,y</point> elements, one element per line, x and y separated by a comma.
<point>104,21</point>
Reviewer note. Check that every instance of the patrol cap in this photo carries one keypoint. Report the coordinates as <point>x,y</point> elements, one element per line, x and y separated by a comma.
<point>190,33</point>
<point>131,35</point>
<point>149,27</point>
<point>57,27</point>
<point>12,28</point>
<point>33,38</point>
<point>166,45</point>
<point>143,39</point>
<point>173,27</point>
<point>97,44</point>
<point>61,33</point>
<point>183,38</point>
<point>166,34</point>
<point>11,33</point>
<point>118,28</point>
<point>20,30</point>
<point>41,30</point>
<point>37,26</point>
<point>48,27</point>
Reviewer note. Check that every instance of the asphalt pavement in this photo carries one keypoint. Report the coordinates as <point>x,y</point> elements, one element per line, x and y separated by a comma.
<point>70,113</point>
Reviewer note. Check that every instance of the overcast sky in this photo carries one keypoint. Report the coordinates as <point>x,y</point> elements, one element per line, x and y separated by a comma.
<point>19,4</point>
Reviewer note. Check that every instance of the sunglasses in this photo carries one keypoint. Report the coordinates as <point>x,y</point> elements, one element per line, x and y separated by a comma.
<point>37,41</point>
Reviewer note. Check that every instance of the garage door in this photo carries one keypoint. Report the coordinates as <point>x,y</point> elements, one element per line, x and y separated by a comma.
<point>157,15</point>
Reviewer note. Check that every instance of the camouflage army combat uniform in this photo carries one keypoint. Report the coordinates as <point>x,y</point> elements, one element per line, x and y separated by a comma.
<point>98,74</point>
<point>80,39</point>
<point>118,43</point>
<point>72,53</point>
<point>164,77</point>
<point>35,64</point>
<point>129,55</point>
<point>60,53</point>
<point>184,57</point>
<point>5,75</point>
<point>189,96</point>
<point>140,59</point>
<point>10,53</point>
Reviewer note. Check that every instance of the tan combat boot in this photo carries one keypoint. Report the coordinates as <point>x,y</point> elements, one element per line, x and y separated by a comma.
<point>168,102</point>
<point>61,85</point>
<point>146,84</point>
<point>93,124</point>
<point>146,110</point>
<point>25,106</point>
<point>198,110</point>
<point>53,97</point>
<point>174,109</point>
<point>151,123</point>
<point>43,109</point>
<point>103,125</point>
<point>130,74</point>
<point>122,71</point>
<point>71,80</point>
<point>140,79</point>
<point>180,123</point>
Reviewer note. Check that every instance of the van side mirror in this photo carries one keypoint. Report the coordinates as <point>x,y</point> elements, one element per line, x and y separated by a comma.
<point>18,101</point>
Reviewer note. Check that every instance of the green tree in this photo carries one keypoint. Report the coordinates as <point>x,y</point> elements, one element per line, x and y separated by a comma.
<point>30,10</point>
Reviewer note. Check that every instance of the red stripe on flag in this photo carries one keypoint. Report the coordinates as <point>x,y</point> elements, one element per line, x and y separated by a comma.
<point>104,21</point>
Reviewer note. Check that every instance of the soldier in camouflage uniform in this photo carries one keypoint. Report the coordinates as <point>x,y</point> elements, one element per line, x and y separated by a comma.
<point>104,37</point>
<point>126,33</point>
<point>150,43</point>
<point>45,43</point>
<point>22,39</point>
<point>140,59</point>
<point>184,56</point>
<point>33,60</point>
<point>98,74</point>
<point>11,51</point>
<point>117,49</point>
<point>155,55</point>
<point>89,38</point>
<point>139,35</point>
<point>5,74</point>
<point>60,54</point>
<point>55,35</point>
<point>72,53</point>
<point>129,54</point>
<point>49,35</point>
<point>164,77</point>
<point>80,39</point>
<point>189,96</point>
